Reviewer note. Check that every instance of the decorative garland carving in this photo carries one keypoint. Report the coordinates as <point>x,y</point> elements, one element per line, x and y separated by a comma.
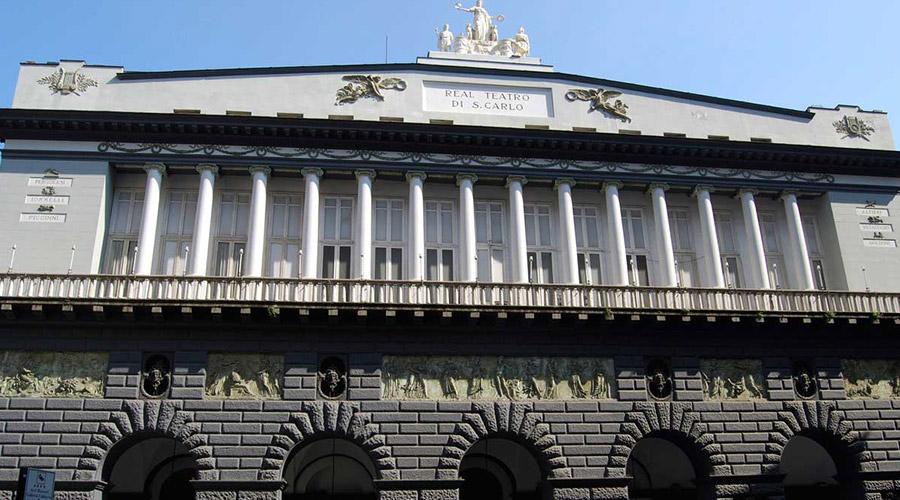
<point>599,100</point>
<point>67,82</point>
<point>423,159</point>
<point>652,418</point>
<point>366,86</point>
<point>334,419</point>
<point>503,419</point>
<point>159,417</point>
<point>853,126</point>
<point>817,416</point>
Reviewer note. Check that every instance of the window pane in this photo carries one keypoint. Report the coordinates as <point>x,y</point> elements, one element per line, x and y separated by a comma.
<point>345,263</point>
<point>447,226</point>
<point>532,266</point>
<point>396,264</point>
<point>328,262</point>
<point>529,229</point>
<point>593,232</point>
<point>431,263</point>
<point>116,258</point>
<point>276,256</point>
<point>295,219</point>
<point>170,254</point>
<point>277,230</point>
<point>496,224</point>
<point>546,267</point>
<point>173,220</point>
<point>818,269</point>
<point>226,215</point>
<point>381,218</point>
<point>137,215</point>
<point>545,229</point>
<point>380,263</point>
<point>637,224</point>
<point>447,265</point>
<point>809,232</point>
<point>330,220</point>
<point>484,265</point>
<point>594,262</point>
<point>397,222</point>
<point>237,264</point>
<point>732,272</point>
<point>481,228</point>
<point>346,221</point>
<point>431,229</point>
<point>582,271</point>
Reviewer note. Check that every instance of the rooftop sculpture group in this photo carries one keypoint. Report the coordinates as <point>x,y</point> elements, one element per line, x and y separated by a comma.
<point>482,36</point>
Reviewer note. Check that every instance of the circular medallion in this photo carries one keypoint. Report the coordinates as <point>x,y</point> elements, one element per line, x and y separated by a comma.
<point>805,380</point>
<point>332,378</point>
<point>156,376</point>
<point>659,379</point>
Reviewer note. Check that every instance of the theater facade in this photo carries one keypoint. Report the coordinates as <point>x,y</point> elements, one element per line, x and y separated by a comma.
<point>468,277</point>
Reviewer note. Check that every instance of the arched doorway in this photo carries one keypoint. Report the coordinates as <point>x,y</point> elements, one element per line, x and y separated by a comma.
<point>149,467</point>
<point>329,468</point>
<point>499,469</point>
<point>810,471</point>
<point>661,470</point>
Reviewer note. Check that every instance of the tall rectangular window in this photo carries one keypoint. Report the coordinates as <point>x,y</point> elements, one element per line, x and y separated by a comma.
<point>177,236</point>
<point>587,241</point>
<point>772,247</point>
<point>439,240</point>
<point>285,222</point>
<point>337,237</point>
<point>124,229</point>
<point>231,233</point>
<point>814,248</point>
<point>635,246</point>
<point>489,236</point>
<point>539,239</point>
<point>388,239</point>
<point>683,247</point>
<point>728,248</point>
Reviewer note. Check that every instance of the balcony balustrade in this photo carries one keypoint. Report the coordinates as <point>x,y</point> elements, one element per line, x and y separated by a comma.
<point>394,294</point>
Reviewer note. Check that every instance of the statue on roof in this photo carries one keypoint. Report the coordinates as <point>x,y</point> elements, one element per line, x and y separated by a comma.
<point>482,36</point>
<point>483,20</point>
<point>445,39</point>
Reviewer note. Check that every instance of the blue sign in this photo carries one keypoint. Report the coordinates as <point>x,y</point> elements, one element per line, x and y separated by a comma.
<point>36,484</point>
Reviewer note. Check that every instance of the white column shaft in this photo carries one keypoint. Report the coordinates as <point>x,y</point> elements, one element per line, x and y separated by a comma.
<point>619,269</point>
<point>416,227</point>
<point>364,223</point>
<point>467,228</point>
<point>664,234</point>
<point>754,237</point>
<point>253,267</point>
<point>310,261</point>
<point>519,243</point>
<point>147,238</point>
<point>202,221</point>
<point>798,241</point>
<point>710,237</point>
<point>568,243</point>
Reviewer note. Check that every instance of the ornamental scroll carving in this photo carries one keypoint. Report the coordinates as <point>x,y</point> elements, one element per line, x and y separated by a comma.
<point>732,379</point>
<point>52,374</point>
<point>244,376</point>
<point>871,379</point>
<point>496,378</point>
<point>366,86</point>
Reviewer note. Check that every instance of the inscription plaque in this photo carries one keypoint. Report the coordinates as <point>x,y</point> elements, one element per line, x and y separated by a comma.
<point>49,182</point>
<point>43,218</point>
<point>494,100</point>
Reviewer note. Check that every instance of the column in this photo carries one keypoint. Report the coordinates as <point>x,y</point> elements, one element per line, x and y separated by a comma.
<point>310,261</point>
<point>710,237</point>
<point>416,225</point>
<point>147,239</point>
<point>618,262</point>
<point>663,235</point>
<point>364,180</point>
<point>203,219</point>
<point>259,178</point>
<point>754,237</point>
<point>798,239</point>
<point>568,244</point>
<point>519,247</point>
<point>469,257</point>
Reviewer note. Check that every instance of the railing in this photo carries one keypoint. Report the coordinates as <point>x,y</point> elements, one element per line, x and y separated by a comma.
<point>429,293</point>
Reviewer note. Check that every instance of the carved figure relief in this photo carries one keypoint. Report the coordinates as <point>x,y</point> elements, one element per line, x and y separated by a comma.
<point>67,82</point>
<point>730,379</point>
<point>492,378</point>
<point>599,100</point>
<point>852,126</point>
<point>659,379</point>
<point>244,376</point>
<point>871,379</point>
<point>156,375</point>
<point>804,377</point>
<point>52,374</point>
<point>367,86</point>
<point>332,377</point>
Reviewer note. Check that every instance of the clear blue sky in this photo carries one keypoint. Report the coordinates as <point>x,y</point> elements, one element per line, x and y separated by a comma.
<point>791,53</point>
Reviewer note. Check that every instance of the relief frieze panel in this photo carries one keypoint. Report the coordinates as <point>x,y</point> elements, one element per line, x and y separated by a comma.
<point>871,379</point>
<point>732,379</point>
<point>496,378</point>
<point>52,374</point>
<point>244,376</point>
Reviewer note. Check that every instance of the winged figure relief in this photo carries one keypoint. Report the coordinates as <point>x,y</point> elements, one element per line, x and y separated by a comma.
<point>67,82</point>
<point>367,86</point>
<point>601,100</point>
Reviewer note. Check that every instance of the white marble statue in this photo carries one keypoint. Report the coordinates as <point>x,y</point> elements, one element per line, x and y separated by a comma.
<point>523,43</point>
<point>483,20</point>
<point>482,36</point>
<point>445,39</point>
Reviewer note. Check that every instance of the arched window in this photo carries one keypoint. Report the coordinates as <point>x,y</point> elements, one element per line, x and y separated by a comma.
<point>329,468</point>
<point>151,467</point>
<point>499,469</point>
<point>810,471</point>
<point>660,470</point>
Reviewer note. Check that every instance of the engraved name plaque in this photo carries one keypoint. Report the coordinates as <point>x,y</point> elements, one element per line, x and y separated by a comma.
<point>494,100</point>
<point>43,218</point>
<point>35,199</point>
<point>874,243</point>
<point>49,182</point>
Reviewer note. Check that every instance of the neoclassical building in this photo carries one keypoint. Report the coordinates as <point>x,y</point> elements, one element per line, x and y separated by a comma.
<point>468,277</point>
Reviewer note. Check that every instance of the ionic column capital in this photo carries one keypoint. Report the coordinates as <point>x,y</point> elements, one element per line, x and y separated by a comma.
<point>466,177</point>
<point>788,195</point>
<point>158,167</point>
<point>364,173</point>
<point>318,172</point>
<point>751,191</point>
<point>612,184</point>
<point>516,178</point>
<point>207,167</point>
<point>416,175</point>
<point>657,185</point>
<point>702,189</point>
<point>564,180</point>
<point>260,169</point>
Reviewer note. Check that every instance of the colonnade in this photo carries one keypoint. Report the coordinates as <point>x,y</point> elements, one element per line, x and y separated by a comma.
<point>618,272</point>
